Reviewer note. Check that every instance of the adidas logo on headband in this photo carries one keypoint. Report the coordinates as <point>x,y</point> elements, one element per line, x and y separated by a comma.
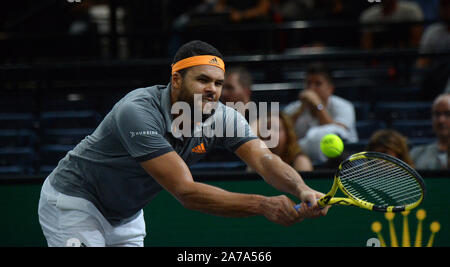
<point>214,61</point>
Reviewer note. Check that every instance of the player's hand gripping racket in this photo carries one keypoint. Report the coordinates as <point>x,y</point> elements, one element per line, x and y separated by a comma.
<point>376,181</point>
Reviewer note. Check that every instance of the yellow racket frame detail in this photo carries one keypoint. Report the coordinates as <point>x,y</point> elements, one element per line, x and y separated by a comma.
<point>350,200</point>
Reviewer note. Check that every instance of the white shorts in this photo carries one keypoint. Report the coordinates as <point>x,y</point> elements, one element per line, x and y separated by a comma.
<point>74,221</point>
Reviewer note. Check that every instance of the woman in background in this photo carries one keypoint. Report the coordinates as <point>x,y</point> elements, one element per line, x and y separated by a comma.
<point>287,148</point>
<point>392,143</point>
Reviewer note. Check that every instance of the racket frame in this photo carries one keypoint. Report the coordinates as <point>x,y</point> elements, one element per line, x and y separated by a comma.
<point>351,200</point>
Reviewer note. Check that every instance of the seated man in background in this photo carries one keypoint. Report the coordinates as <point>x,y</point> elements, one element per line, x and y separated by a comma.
<point>434,156</point>
<point>318,112</point>
<point>237,86</point>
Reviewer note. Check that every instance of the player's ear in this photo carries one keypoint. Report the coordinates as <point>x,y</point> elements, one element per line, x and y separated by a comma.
<point>176,80</point>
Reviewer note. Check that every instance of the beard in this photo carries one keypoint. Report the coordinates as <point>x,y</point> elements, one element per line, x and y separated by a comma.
<point>195,102</point>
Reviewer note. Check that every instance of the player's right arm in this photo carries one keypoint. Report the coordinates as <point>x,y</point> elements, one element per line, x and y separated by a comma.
<point>161,162</point>
<point>171,172</point>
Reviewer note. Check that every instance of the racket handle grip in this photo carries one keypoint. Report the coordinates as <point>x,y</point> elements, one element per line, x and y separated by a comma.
<point>297,207</point>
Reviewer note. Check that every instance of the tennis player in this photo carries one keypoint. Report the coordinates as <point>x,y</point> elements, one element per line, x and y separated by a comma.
<point>95,196</point>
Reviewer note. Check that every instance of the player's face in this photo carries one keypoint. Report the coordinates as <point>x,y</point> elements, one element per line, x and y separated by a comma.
<point>441,117</point>
<point>233,91</point>
<point>203,80</point>
<point>319,84</point>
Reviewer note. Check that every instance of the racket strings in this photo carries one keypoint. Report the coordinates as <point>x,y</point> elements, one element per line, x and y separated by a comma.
<point>389,185</point>
<point>380,182</point>
<point>393,187</point>
<point>397,180</point>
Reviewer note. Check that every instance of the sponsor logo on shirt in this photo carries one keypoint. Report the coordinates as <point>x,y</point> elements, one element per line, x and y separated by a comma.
<point>200,149</point>
<point>140,133</point>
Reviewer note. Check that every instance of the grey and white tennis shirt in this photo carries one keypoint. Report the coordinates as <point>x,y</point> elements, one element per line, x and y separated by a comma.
<point>104,167</point>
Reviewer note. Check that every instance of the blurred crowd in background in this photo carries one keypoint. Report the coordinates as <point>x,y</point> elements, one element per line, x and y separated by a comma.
<point>138,24</point>
<point>398,105</point>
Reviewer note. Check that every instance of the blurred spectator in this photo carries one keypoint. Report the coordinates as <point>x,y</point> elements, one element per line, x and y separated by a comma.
<point>325,12</point>
<point>219,13</point>
<point>329,10</point>
<point>434,156</point>
<point>294,9</point>
<point>429,8</point>
<point>244,10</point>
<point>392,11</point>
<point>287,149</point>
<point>319,112</point>
<point>201,13</point>
<point>209,12</point>
<point>319,9</point>
<point>237,86</point>
<point>392,143</point>
<point>436,38</point>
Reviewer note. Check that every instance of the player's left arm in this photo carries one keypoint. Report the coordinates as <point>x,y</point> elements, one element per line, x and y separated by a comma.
<point>276,172</point>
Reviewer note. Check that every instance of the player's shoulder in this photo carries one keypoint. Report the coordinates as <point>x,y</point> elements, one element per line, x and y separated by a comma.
<point>140,103</point>
<point>229,114</point>
<point>147,97</point>
<point>225,110</point>
<point>145,93</point>
<point>228,110</point>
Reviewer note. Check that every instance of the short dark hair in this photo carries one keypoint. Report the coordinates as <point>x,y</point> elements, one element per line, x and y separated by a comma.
<point>245,77</point>
<point>320,68</point>
<point>195,48</point>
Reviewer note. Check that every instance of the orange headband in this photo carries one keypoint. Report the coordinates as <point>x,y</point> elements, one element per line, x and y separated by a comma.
<point>198,60</point>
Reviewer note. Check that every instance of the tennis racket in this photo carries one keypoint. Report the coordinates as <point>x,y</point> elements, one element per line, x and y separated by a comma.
<point>375,181</point>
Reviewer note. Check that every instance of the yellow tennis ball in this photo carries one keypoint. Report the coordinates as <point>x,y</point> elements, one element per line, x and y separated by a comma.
<point>331,145</point>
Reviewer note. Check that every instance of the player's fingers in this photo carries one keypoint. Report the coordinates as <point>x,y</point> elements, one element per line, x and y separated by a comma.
<point>291,212</point>
<point>312,212</point>
<point>311,200</point>
<point>306,210</point>
<point>321,211</point>
<point>285,213</point>
<point>324,211</point>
